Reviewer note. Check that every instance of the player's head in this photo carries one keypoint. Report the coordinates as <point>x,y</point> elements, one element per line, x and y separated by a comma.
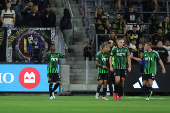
<point>118,16</point>
<point>52,48</point>
<point>104,47</point>
<point>120,42</point>
<point>167,43</point>
<point>148,46</point>
<point>159,30</point>
<point>159,44</point>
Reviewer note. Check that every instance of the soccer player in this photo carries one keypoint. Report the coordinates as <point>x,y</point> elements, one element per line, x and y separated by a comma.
<point>102,63</point>
<point>149,58</point>
<point>52,69</point>
<point>120,53</point>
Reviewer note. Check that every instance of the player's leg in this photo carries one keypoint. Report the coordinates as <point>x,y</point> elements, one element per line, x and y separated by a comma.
<point>121,88</point>
<point>100,79</point>
<point>145,85</point>
<point>123,75</point>
<point>57,80</point>
<point>50,81</point>
<point>117,82</point>
<point>105,78</point>
<point>151,77</point>
<point>110,81</point>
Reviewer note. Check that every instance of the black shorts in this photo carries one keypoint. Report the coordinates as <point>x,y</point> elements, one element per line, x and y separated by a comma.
<point>103,76</point>
<point>120,72</point>
<point>148,76</point>
<point>53,77</point>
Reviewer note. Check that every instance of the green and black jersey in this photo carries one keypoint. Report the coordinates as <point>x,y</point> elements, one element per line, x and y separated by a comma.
<point>120,55</point>
<point>103,59</point>
<point>150,62</point>
<point>53,60</point>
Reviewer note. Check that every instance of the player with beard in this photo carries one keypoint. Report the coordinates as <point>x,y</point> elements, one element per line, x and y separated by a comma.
<point>52,69</point>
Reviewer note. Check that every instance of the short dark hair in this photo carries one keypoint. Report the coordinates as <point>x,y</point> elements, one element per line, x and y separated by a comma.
<point>166,16</point>
<point>85,42</point>
<point>166,40</point>
<point>149,44</point>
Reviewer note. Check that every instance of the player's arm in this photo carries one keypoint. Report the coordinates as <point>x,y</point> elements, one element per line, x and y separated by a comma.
<point>66,48</point>
<point>143,40</point>
<point>129,63</point>
<point>137,59</point>
<point>44,52</point>
<point>99,65</point>
<point>110,63</point>
<point>162,65</point>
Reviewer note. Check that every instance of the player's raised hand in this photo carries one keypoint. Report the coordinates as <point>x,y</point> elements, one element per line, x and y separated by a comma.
<point>104,66</point>
<point>66,46</point>
<point>129,69</point>
<point>163,71</point>
<point>111,69</point>
<point>46,46</point>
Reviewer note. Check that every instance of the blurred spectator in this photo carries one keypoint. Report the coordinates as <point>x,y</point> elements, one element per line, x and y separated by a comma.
<point>117,5</point>
<point>165,25</point>
<point>133,50</point>
<point>131,17</point>
<point>34,17</point>
<point>167,47</point>
<point>26,13</point>
<point>157,37</point>
<point>66,25</point>
<point>100,29</point>
<point>8,16</point>
<point>99,14</point>
<point>86,50</point>
<point>117,25</point>
<point>113,37</point>
<point>2,4</point>
<point>134,34</point>
<point>148,6</point>
<point>48,17</point>
<point>163,53</point>
<point>15,5</point>
<point>154,25</point>
<point>41,4</point>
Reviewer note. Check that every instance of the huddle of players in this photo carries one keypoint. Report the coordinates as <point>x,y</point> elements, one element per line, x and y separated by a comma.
<point>115,61</point>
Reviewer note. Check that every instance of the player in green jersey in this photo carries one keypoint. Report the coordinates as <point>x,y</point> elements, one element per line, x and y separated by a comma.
<point>102,63</point>
<point>120,54</point>
<point>52,69</point>
<point>149,58</point>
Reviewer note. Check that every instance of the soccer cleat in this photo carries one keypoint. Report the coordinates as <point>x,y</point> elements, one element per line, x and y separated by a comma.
<point>51,98</point>
<point>104,98</point>
<point>147,98</point>
<point>115,96</point>
<point>97,95</point>
<point>120,98</point>
<point>53,95</point>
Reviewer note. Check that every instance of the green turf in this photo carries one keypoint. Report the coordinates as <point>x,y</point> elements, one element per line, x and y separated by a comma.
<point>82,104</point>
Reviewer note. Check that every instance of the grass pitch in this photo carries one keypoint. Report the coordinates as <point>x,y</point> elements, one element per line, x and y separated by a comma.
<point>83,104</point>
